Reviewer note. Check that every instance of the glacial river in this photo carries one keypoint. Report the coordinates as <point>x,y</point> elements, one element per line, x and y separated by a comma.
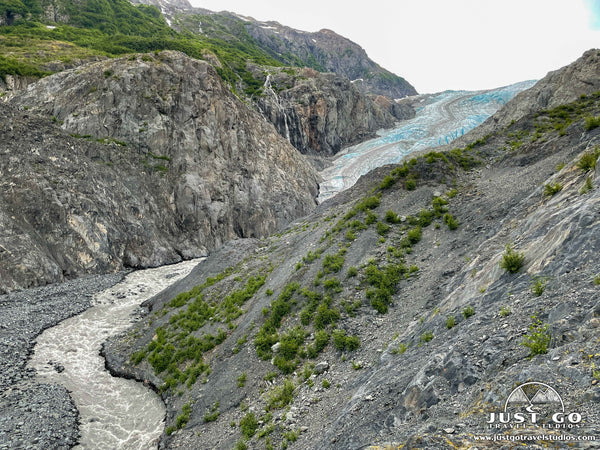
<point>115,413</point>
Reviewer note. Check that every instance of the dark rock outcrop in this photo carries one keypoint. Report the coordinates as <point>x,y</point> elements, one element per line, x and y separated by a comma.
<point>322,113</point>
<point>187,167</point>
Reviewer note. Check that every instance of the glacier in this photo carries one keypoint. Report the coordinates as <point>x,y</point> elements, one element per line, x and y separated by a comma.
<point>440,119</point>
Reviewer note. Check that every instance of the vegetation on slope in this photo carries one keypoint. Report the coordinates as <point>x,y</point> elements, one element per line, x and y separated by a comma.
<point>111,28</point>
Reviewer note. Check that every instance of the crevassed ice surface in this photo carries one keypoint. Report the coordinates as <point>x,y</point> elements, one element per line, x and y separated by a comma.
<point>114,412</point>
<point>440,118</point>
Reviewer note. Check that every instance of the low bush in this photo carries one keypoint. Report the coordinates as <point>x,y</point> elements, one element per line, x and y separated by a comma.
<point>538,338</point>
<point>249,425</point>
<point>512,261</point>
<point>552,189</point>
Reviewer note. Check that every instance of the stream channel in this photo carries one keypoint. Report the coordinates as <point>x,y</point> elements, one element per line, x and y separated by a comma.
<point>114,412</point>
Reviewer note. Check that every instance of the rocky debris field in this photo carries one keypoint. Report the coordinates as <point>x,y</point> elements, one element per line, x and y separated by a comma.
<point>391,316</point>
<point>34,414</point>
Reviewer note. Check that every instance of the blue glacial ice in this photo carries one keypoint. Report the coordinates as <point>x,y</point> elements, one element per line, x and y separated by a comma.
<point>440,118</point>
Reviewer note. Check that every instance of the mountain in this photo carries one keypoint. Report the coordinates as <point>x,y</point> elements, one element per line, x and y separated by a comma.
<point>43,37</point>
<point>324,50</point>
<point>403,311</point>
<point>155,165</point>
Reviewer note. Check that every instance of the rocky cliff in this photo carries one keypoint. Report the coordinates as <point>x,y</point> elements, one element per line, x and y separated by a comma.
<point>322,113</point>
<point>329,51</point>
<point>324,50</point>
<point>156,161</point>
<point>404,311</point>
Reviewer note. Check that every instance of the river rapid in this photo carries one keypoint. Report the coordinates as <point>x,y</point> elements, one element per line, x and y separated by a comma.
<point>114,412</point>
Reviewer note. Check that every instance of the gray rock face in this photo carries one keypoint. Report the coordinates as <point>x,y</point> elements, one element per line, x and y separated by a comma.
<point>322,113</point>
<point>188,166</point>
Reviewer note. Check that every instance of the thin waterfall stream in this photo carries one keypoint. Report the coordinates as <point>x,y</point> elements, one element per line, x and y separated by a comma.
<point>114,412</point>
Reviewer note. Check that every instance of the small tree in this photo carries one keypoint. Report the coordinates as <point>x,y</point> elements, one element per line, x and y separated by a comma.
<point>512,261</point>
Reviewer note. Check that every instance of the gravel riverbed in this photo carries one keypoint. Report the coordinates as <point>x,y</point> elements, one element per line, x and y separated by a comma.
<point>32,414</point>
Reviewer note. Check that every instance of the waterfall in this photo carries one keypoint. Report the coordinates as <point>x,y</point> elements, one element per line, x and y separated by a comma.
<point>269,89</point>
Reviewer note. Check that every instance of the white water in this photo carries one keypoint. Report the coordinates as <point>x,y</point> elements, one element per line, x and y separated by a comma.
<point>114,412</point>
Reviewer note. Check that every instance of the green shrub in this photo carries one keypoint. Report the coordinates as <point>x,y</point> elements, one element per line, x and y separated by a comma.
<point>325,383</point>
<point>325,316</point>
<point>587,186</point>
<point>538,285</point>
<point>213,414</point>
<point>387,182</point>
<point>333,284</point>
<point>371,218</point>
<point>450,221</point>
<point>505,311</point>
<point>439,206</point>
<point>343,342</point>
<point>281,396</point>
<point>452,193</point>
<point>368,203</point>
<point>512,261</point>
<point>391,217</point>
<point>249,425</point>
<point>468,311</point>
<point>402,347</point>
<point>588,160</point>
<point>241,380</point>
<point>591,123</point>
<point>184,417</point>
<point>425,217</point>
<point>597,280</point>
<point>321,340</point>
<point>426,337</point>
<point>382,228</point>
<point>333,263</point>
<point>538,338</point>
<point>450,322</point>
<point>410,184</point>
<point>352,272</point>
<point>414,234</point>
<point>551,189</point>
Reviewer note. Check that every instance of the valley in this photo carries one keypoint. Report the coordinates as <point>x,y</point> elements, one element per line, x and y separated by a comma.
<point>218,232</point>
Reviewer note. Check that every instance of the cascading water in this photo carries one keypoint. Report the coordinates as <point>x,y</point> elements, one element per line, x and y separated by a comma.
<point>114,412</point>
<point>269,89</point>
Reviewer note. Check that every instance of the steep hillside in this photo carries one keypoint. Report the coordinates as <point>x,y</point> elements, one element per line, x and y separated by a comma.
<point>159,165</point>
<point>403,311</point>
<point>324,50</point>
